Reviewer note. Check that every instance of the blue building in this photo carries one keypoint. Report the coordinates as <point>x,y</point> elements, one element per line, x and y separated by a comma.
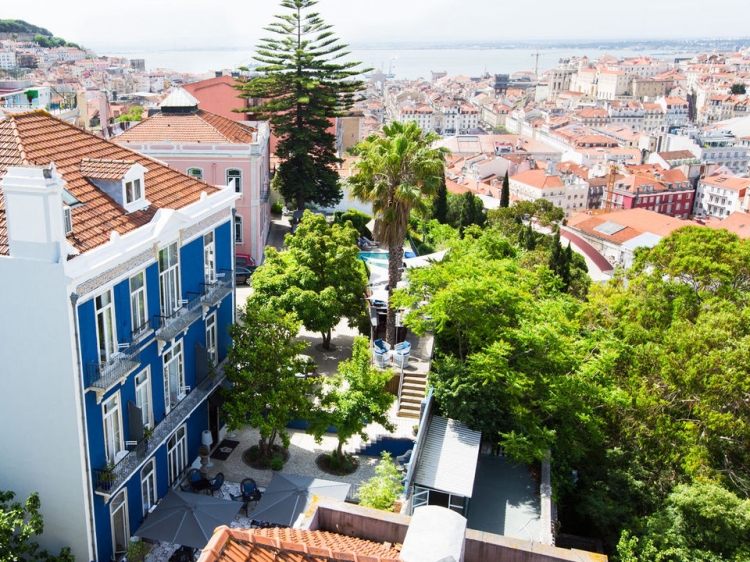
<point>117,291</point>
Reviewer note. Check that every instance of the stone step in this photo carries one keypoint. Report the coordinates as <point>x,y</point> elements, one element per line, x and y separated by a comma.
<point>408,413</point>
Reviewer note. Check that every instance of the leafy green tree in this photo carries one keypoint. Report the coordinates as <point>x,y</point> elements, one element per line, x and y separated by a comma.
<point>702,521</point>
<point>380,491</point>
<point>398,173</point>
<point>505,192</point>
<point>464,210</point>
<point>135,113</point>
<point>358,219</point>
<point>303,85</point>
<point>559,260</point>
<point>355,398</point>
<point>261,365</point>
<point>319,277</point>
<point>738,89</point>
<point>19,524</point>
<point>440,203</point>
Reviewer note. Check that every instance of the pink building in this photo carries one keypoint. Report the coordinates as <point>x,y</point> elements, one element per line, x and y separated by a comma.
<point>217,150</point>
<point>218,95</point>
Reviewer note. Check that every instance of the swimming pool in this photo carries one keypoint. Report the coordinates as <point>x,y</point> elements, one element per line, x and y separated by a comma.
<point>375,259</point>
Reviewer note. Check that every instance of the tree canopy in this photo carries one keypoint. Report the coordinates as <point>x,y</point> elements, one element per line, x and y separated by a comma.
<point>302,84</point>
<point>355,398</point>
<point>19,524</point>
<point>261,365</point>
<point>318,278</point>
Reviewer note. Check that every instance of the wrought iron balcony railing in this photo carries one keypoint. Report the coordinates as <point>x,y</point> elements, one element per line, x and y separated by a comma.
<point>103,374</point>
<point>168,326</point>
<point>214,292</point>
<point>107,481</point>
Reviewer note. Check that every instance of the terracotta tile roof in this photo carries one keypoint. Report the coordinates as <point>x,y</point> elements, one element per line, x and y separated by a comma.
<point>538,178</point>
<point>292,545</point>
<point>635,221</point>
<point>198,127</point>
<point>728,182</point>
<point>737,222</point>
<point>37,138</point>
<point>676,155</point>
<point>105,169</point>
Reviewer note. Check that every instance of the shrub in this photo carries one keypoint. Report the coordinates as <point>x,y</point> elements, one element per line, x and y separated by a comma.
<point>380,491</point>
<point>277,463</point>
<point>358,219</point>
<point>276,208</point>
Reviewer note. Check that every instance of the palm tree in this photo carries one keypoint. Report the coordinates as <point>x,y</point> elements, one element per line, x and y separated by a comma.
<point>398,173</point>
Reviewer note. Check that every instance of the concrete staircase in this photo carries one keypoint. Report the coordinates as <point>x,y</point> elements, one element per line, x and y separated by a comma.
<point>412,393</point>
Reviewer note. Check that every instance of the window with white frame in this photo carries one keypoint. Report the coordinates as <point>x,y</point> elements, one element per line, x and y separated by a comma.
<point>177,453</point>
<point>197,173</point>
<point>209,257</point>
<point>234,178</point>
<point>169,279</point>
<point>106,332</point>
<point>133,191</point>
<point>174,377</point>
<point>148,486</point>
<point>138,308</point>
<point>113,439</point>
<point>118,516</point>
<point>211,339</point>
<point>237,229</point>
<point>143,397</point>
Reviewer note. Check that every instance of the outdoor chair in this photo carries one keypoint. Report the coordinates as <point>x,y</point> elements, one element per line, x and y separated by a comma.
<point>250,490</point>
<point>381,353</point>
<point>401,353</point>
<point>404,459</point>
<point>217,483</point>
<point>193,476</point>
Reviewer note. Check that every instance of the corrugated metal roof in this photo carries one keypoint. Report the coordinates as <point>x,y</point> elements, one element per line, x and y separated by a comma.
<point>448,460</point>
<point>610,227</point>
<point>647,240</point>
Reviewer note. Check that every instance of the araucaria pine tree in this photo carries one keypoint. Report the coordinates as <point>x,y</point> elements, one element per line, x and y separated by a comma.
<point>301,87</point>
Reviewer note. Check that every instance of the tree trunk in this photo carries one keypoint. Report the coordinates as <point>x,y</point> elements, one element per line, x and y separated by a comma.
<point>339,453</point>
<point>394,264</point>
<point>326,339</point>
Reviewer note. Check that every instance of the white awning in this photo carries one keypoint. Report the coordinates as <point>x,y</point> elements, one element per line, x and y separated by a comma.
<point>422,261</point>
<point>448,461</point>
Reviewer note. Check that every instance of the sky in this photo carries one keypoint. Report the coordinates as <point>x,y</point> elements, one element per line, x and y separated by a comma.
<point>191,24</point>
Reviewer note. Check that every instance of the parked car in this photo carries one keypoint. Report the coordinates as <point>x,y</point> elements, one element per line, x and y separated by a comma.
<point>244,260</point>
<point>243,274</point>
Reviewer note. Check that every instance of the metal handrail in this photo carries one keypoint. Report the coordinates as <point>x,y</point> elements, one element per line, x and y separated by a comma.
<point>215,291</point>
<point>103,374</point>
<point>168,326</point>
<point>106,481</point>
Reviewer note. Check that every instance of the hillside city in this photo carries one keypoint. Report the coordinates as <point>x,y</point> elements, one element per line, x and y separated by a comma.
<point>550,364</point>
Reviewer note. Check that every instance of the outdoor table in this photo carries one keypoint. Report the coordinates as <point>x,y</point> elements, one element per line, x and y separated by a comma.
<point>201,485</point>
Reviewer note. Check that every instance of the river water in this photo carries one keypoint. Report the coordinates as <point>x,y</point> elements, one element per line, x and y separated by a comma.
<point>403,63</point>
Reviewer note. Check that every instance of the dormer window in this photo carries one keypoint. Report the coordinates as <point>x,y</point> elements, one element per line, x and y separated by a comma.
<point>133,191</point>
<point>123,180</point>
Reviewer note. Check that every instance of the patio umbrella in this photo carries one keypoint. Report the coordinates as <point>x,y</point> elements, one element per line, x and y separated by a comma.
<point>187,519</point>
<point>289,495</point>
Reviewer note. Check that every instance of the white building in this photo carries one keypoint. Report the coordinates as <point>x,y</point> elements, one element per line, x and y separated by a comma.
<point>569,192</point>
<point>721,195</point>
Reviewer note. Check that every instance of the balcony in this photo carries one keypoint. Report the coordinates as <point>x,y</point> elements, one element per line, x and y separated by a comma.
<point>214,292</point>
<point>106,482</point>
<point>103,374</point>
<point>167,327</point>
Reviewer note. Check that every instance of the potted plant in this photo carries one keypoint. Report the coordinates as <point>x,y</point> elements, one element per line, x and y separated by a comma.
<point>107,476</point>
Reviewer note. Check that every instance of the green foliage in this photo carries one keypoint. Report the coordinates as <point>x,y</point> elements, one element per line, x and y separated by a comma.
<point>355,398</point>
<point>510,220</point>
<point>358,219</point>
<point>398,173</point>
<point>19,524</point>
<point>505,192</point>
<point>702,521</point>
<point>319,278</point>
<point>302,85</point>
<point>277,463</point>
<point>20,26</point>
<point>440,203</point>
<point>738,89</point>
<point>135,113</point>
<point>137,551</point>
<point>261,366</point>
<point>380,491</point>
<point>464,210</point>
<point>276,208</point>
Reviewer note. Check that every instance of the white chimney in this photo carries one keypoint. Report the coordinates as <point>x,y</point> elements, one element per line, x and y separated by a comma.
<point>34,212</point>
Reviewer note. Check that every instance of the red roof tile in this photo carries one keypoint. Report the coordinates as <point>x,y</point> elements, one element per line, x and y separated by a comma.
<point>105,169</point>
<point>37,138</point>
<point>198,127</point>
<point>292,545</point>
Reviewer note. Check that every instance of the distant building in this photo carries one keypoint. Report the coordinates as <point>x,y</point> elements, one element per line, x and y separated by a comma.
<point>138,64</point>
<point>721,195</point>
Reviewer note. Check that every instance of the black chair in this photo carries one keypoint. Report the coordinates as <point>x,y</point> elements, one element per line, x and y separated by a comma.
<point>217,483</point>
<point>250,490</point>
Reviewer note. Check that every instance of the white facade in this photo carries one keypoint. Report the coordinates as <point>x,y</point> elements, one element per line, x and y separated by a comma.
<point>720,196</point>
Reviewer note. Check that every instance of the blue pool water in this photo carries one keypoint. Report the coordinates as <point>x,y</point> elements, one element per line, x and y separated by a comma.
<point>380,259</point>
<point>396,447</point>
